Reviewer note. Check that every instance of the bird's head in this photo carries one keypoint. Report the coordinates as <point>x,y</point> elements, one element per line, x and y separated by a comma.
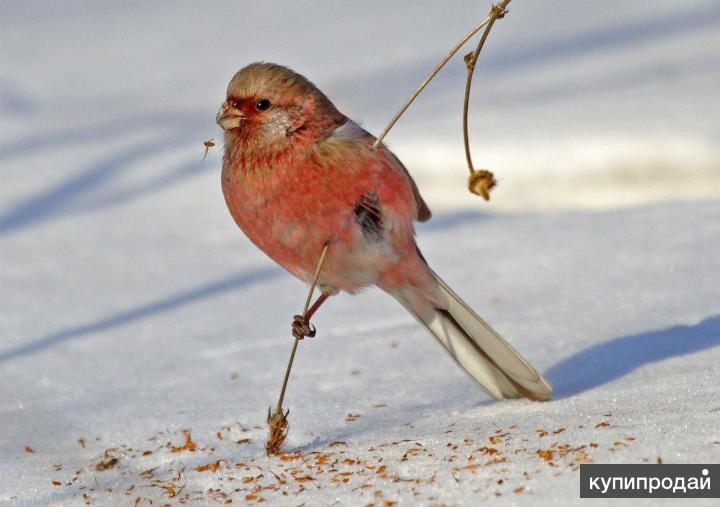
<point>270,109</point>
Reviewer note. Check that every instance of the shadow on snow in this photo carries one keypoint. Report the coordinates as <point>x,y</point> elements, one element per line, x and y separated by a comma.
<point>226,284</point>
<point>605,362</point>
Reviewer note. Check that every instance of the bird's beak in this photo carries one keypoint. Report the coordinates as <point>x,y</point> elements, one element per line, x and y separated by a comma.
<point>229,118</point>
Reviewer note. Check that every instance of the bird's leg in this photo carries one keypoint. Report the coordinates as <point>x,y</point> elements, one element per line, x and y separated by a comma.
<point>301,323</point>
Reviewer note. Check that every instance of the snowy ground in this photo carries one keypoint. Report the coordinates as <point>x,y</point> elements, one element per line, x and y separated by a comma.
<point>155,330</point>
<point>132,310</point>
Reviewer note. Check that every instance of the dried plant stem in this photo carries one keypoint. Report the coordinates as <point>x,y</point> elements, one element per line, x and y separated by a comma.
<point>307,315</point>
<point>315,279</point>
<point>480,182</point>
<point>427,80</point>
<point>496,12</point>
<point>277,422</point>
<point>281,398</point>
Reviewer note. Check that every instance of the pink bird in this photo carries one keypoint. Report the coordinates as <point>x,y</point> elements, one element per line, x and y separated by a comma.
<point>298,176</point>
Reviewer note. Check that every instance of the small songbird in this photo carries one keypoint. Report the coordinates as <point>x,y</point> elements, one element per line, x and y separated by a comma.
<point>298,176</point>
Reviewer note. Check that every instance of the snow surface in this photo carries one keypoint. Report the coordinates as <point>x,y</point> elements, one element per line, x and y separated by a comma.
<point>126,326</point>
<point>132,309</point>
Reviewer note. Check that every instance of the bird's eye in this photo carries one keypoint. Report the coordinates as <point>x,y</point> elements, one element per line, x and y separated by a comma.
<point>262,105</point>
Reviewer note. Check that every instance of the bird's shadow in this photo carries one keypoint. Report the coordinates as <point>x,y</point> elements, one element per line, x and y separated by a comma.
<point>602,363</point>
<point>589,368</point>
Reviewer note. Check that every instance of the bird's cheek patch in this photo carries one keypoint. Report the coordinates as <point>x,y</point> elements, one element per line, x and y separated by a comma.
<point>277,126</point>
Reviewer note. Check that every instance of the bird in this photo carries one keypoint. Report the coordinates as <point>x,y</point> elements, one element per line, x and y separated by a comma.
<point>302,180</point>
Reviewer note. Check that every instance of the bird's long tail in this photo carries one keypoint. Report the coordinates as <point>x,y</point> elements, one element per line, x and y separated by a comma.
<point>479,350</point>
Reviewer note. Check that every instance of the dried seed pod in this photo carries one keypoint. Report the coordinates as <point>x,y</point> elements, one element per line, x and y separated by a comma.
<point>481,182</point>
<point>278,430</point>
<point>208,144</point>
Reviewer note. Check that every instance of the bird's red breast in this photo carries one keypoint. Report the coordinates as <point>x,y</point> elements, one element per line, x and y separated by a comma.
<point>335,191</point>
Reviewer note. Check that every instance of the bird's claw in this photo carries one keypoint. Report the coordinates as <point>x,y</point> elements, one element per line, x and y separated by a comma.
<point>301,328</point>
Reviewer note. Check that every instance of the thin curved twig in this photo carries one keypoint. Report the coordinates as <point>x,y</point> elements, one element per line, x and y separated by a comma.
<point>496,12</point>
<point>427,80</point>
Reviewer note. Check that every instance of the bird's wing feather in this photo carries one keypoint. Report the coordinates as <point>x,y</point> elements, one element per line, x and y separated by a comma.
<point>351,130</point>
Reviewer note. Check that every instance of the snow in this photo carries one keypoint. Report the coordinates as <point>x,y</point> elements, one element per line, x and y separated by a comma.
<point>134,310</point>
<point>154,330</point>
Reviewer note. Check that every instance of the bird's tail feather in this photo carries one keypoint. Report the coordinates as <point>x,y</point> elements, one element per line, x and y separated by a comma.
<point>499,369</point>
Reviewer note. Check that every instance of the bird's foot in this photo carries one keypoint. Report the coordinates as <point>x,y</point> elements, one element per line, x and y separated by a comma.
<point>301,328</point>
